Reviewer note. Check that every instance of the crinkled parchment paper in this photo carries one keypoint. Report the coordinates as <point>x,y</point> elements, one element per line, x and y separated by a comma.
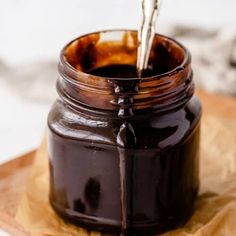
<point>215,210</point>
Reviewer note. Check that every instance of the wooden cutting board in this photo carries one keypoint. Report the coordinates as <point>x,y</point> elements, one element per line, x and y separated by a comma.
<point>14,174</point>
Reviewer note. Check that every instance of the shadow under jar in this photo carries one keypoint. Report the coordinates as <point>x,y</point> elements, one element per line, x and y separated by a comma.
<point>124,151</point>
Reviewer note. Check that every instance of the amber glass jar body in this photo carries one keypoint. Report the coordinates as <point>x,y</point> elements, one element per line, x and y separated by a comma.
<point>124,152</point>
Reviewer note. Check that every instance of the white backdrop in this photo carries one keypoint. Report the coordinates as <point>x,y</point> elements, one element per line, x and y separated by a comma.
<point>34,30</point>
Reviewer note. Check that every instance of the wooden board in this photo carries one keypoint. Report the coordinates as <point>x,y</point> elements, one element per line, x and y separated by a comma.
<point>14,174</point>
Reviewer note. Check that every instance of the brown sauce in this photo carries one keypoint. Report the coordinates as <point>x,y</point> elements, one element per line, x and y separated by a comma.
<point>123,172</point>
<point>154,181</point>
<point>122,71</point>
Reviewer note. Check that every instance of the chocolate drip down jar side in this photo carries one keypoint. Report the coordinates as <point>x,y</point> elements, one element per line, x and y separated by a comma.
<point>124,151</point>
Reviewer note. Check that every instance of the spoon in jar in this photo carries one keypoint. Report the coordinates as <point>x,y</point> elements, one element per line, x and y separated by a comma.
<point>146,33</point>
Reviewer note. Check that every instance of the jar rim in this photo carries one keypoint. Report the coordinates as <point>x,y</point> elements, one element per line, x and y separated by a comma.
<point>163,91</point>
<point>79,73</point>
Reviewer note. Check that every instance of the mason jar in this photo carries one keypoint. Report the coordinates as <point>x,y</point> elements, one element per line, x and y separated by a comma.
<point>124,150</point>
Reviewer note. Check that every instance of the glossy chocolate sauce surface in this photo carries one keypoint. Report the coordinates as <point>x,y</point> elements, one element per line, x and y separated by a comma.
<point>161,179</point>
<point>129,172</point>
<point>123,71</point>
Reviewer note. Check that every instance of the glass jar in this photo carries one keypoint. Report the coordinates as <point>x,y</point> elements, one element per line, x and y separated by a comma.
<point>124,151</point>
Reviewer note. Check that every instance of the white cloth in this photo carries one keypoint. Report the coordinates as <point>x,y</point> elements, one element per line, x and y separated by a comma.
<point>3,233</point>
<point>213,56</point>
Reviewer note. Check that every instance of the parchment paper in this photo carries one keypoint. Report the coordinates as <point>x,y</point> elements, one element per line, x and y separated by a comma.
<point>215,210</point>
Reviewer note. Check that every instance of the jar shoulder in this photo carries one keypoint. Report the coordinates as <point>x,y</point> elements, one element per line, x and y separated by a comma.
<point>172,128</point>
<point>151,129</point>
<point>66,122</point>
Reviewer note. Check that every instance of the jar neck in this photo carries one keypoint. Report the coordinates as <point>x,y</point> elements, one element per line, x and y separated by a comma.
<point>169,90</point>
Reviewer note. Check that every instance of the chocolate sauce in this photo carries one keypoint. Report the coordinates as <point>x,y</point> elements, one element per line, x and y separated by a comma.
<point>125,169</point>
<point>123,71</point>
<point>157,191</point>
<point>148,183</point>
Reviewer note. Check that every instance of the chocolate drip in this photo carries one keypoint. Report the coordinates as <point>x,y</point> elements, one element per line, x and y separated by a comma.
<point>123,188</point>
<point>126,139</point>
